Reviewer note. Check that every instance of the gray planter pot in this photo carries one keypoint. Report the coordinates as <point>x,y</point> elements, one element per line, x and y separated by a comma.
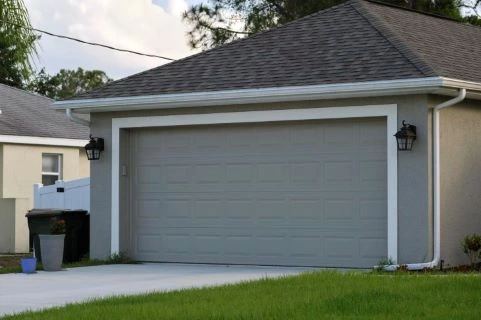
<point>51,248</point>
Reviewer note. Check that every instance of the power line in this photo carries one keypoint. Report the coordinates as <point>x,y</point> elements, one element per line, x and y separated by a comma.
<point>88,42</point>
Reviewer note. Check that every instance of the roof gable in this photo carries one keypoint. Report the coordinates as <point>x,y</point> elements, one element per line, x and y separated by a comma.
<point>356,41</point>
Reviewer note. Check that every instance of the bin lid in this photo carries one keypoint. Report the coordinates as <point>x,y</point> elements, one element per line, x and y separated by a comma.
<point>51,212</point>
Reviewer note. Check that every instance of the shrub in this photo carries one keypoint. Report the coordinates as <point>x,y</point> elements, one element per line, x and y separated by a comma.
<point>472,247</point>
<point>57,226</point>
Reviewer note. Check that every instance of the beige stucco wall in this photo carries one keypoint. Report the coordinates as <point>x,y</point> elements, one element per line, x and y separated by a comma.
<point>460,127</point>
<point>7,225</point>
<point>20,168</point>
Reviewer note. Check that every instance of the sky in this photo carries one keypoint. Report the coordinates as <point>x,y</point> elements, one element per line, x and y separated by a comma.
<point>149,26</point>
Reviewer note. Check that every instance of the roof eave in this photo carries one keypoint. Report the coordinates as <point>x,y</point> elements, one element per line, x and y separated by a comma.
<point>269,95</point>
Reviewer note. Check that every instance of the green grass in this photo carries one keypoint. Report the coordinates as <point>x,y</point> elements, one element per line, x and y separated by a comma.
<point>12,263</point>
<point>83,263</point>
<point>321,295</point>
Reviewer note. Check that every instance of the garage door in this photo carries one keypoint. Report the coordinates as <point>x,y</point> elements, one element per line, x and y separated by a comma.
<point>306,193</point>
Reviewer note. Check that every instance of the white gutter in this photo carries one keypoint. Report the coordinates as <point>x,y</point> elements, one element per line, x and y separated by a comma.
<point>437,189</point>
<point>45,141</point>
<point>78,120</point>
<point>249,96</point>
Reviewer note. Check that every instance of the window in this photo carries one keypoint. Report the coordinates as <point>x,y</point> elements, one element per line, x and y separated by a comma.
<point>51,168</point>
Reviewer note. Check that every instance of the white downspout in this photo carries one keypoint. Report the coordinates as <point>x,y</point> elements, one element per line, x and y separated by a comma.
<point>73,118</point>
<point>437,189</point>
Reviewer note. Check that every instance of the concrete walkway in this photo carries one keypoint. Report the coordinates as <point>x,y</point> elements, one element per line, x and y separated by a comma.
<point>21,292</point>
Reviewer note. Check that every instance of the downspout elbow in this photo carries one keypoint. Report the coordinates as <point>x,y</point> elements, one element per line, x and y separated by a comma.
<point>76,119</point>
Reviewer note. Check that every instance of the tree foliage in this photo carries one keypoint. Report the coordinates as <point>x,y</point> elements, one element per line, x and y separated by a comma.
<point>18,44</point>
<point>216,22</point>
<point>67,83</point>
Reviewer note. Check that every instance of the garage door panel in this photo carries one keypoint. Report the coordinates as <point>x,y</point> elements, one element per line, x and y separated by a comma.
<point>306,193</point>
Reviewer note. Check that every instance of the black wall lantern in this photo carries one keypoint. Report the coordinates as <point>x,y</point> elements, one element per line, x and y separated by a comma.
<point>405,137</point>
<point>94,147</point>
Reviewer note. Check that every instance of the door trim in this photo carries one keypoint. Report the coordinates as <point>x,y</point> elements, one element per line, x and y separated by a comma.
<point>389,111</point>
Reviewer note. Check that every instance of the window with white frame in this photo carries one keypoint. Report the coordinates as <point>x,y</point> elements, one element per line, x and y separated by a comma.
<point>51,168</point>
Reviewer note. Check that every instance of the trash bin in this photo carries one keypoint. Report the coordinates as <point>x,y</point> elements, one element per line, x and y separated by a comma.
<point>77,231</point>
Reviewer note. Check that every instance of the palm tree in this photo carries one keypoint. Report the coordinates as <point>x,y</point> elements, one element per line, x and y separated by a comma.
<point>18,43</point>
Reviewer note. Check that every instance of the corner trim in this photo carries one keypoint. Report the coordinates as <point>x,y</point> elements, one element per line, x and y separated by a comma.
<point>388,111</point>
<point>43,141</point>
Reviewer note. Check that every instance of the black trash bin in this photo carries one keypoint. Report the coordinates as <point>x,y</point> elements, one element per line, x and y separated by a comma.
<point>77,231</point>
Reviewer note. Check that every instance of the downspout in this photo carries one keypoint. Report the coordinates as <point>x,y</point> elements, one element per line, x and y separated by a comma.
<point>437,189</point>
<point>78,120</point>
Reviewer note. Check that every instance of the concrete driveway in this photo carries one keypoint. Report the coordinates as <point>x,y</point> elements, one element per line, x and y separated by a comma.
<point>21,292</point>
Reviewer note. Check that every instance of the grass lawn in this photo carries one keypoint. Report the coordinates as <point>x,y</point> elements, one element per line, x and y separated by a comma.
<point>320,295</point>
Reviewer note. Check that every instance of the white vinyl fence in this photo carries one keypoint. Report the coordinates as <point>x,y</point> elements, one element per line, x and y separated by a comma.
<point>73,194</point>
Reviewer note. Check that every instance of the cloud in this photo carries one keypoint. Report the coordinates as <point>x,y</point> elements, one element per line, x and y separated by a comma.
<point>150,26</point>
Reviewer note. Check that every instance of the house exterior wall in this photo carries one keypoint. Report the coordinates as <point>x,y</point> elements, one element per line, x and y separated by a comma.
<point>7,225</point>
<point>414,176</point>
<point>460,148</point>
<point>21,167</point>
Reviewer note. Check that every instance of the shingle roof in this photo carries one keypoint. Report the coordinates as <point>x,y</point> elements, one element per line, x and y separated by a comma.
<point>353,42</point>
<point>28,114</point>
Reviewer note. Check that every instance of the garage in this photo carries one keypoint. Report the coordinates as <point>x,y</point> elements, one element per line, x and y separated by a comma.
<point>297,193</point>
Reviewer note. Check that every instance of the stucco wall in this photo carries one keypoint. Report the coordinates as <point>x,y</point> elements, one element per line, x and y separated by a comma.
<point>21,167</point>
<point>7,225</point>
<point>414,176</point>
<point>460,127</point>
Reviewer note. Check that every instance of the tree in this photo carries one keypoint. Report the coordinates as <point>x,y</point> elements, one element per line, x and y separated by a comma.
<point>18,43</point>
<point>216,22</point>
<point>220,21</point>
<point>67,83</point>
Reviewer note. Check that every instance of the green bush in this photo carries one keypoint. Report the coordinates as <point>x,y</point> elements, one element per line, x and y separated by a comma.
<point>472,247</point>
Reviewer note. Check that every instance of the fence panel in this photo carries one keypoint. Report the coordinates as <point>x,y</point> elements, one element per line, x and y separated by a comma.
<point>73,194</point>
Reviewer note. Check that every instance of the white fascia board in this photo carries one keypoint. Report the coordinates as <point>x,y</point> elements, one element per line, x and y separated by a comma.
<point>460,84</point>
<point>43,141</point>
<point>248,96</point>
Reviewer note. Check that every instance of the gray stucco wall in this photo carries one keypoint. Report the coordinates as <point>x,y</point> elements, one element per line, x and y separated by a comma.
<point>460,127</point>
<point>414,176</point>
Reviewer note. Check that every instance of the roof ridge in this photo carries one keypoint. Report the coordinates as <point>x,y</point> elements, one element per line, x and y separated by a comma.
<point>385,31</point>
<point>424,13</point>
<point>37,95</point>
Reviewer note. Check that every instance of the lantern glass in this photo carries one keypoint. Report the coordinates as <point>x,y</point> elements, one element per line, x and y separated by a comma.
<point>94,148</point>
<point>405,137</point>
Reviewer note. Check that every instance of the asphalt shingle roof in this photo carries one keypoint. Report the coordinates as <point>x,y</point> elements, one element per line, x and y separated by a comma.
<point>28,114</point>
<point>353,42</point>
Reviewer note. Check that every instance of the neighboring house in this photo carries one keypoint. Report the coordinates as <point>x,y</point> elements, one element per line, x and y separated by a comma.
<point>37,145</point>
<point>279,150</point>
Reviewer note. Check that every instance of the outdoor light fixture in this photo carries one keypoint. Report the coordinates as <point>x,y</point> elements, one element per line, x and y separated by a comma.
<point>405,137</point>
<point>94,147</point>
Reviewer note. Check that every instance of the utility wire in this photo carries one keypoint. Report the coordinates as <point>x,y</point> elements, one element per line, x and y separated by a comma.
<point>88,42</point>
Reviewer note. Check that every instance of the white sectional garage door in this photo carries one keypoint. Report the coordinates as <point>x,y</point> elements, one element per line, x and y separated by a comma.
<point>306,193</point>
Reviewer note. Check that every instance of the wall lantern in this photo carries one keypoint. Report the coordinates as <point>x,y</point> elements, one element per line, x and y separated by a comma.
<point>405,137</point>
<point>94,147</point>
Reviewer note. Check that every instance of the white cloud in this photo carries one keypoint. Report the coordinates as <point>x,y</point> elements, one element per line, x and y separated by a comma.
<point>138,25</point>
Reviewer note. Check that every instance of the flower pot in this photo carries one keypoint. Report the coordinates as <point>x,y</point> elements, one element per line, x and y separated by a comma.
<point>51,247</point>
<point>29,265</point>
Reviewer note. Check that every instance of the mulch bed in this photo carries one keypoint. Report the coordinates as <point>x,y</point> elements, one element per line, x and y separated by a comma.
<point>10,260</point>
